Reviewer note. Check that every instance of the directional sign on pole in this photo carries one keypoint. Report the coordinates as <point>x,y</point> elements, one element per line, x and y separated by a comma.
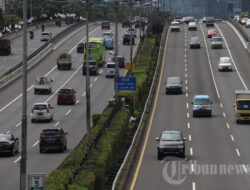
<point>36,181</point>
<point>128,66</point>
<point>126,83</point>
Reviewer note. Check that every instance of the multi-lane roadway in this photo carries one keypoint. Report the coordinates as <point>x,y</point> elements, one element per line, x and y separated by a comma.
<point>71,118</point>
<point>216,144</point>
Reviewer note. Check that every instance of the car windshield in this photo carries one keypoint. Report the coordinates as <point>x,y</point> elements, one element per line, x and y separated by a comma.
<point>50,132</point>
<point>40,107</point>
<point>110,65</point>
<point>225,60</point>
<point>195,39</point>
<point>243,105</point>
<point>216,39</point>
<point>175,24</point>
<point>201,101</point>
<point>171,137</point>
<point>107,34</point>
<point>5,137</point>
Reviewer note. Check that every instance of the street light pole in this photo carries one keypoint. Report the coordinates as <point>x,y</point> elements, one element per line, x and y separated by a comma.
<point>31,9</point>
<point>87,72</point>
<point>131,47</point>
<point>23,165</point>
<point>116,52</point>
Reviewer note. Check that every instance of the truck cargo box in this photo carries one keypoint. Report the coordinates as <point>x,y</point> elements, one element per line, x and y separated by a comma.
<point>5,47</point>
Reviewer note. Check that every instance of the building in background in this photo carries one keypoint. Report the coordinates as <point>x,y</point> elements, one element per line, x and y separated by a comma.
<point>245,5</point>
<point>3,5</point>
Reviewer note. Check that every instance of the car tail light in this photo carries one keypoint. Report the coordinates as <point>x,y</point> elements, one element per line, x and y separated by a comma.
<point>8,144</point>
<point>60,135</point>
<point>41,136</point>
<point>32,110</point>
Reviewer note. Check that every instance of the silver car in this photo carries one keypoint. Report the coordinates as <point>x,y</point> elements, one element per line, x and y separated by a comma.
<point>41,112</point>
<point>225,64</point>
<point>216,42</point>
<point>46,36</point>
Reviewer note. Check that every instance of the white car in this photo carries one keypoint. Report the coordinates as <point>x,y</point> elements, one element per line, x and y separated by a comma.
<point>41,112</point>
<point>110,69</point>
<point>225,64</point>
<point>175,26</point>
<point>133,32</point>
<point>192,26</point>
<point>107,34</point>
<point>248,23</point>
<point>46,36</point>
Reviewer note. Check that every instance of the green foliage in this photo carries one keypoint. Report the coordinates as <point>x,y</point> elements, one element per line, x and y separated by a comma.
<point>11,20</point>
<point>96,118</point>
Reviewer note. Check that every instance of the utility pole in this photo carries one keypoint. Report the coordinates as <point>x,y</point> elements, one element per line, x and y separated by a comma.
<point>116,52</point>
<point>31,9</point>
<point>87,72</point>
<point>23,166</point>
<point>131,46</point>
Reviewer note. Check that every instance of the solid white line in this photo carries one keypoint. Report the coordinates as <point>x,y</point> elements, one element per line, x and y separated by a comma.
<point>186,87</point>
<point>238,153</point>
<point>77,102</point>
<point>221,105</point>
<point>90,85</point>
<point>188,125</point>
<point>228,126</point>
<point>57,123</point>
<point>232,137</point>
<point>30,87</point>
<point>84,94</point>
<point>7,132</point>
<point>187,115</point>
<point>18,124</point>
<point>193,186</point>
<point>68,112</point>
<point>36,143</point>
<point>186,94</point>
<point>191,151</point>
<point>7,105</point>
<point>19,158</point>
<point>244,167</point>
<point>189,137</point>
<point>232,58</point>
<point>209,61</point>
<point>64,83</point>
<point>192,167</point>
<point>95,79</point>
<point>224,114</point>
<point>187,106</point>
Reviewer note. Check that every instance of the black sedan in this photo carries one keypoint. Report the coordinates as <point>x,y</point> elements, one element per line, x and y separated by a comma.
<point>80,48</point>
<point>173,85</point>
<point>171,143</point>
<point>9,144</point>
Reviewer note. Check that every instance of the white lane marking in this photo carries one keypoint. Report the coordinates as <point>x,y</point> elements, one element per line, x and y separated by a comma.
<point>185,60</point>
<point>185,55</point>
<point>68,112</point>
<point>185,69</point>
<point>238,152</point>
<point>90,85</point>
<point>186,81</point>
<point>77,102</point>
<point>191,151</point>
<point>186,94</point>
<point>221,105</point>
<point>18,124</point>
<point>232,137</point>
<point>20,95</point>
<point>100,71</point>
<point>57,123</point>
<point>36,143</point>
<point>232,58</point>
<point>189,137</point>
<point>186,75</point>
<point>187,115</point>
<point>188,125</point>
<point>95,79</point>
<point>64,84</point>
<point>7,132</point>
<point>228,126</point>
<point>244,167</point>
<point>185,49</point>
<point>209,61</point>
<point>17,160</point>
<point>84,94</point>
<point>224,115</point>
<point>185,44</point>
<point>192,167</point>
<point>186,87</point>
<point>193,186</point>
<point>187,105</point>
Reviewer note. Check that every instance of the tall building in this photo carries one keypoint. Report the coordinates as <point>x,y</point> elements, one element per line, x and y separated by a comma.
<point>3,5</point>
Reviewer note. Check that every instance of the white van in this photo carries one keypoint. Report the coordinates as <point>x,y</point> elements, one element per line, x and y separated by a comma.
<point>110,69</point>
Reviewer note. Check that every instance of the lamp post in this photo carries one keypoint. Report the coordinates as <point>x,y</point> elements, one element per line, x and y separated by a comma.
<point>116,53</point>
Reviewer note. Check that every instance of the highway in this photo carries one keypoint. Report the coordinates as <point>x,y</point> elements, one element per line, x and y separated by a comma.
<point>70,118</point>
<point>213,143</point>
<point>32,45</point>
<point>246,29</point>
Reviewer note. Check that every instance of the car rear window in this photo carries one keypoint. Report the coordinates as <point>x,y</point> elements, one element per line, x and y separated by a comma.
<point>5,137</point>
<point>110,65</point>
<point>65,91</point>
<point>51,132</point>
<point>40,107</point>
<point>216,39</point>
<point>171,137</point>
<point>90,63</point>
<point>202,101</point>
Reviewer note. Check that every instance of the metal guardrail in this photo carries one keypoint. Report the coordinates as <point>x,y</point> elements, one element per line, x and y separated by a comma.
<point>150,96</point>
<point>242,31</point>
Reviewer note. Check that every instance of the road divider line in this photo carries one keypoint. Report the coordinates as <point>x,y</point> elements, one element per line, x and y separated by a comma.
<point>68,112</point>
<point>238,152</point>
<point>36,143</point>
<point>224,115</point>
<point>100,71</point>
<point>7,132</point>
<point>187,105</point>
<point>186,75</point>
<point>187,115</point>
<point>209,62</point>
<point>189,137</point>
<point>84,94</point>
<point>244,167</point>
<point>77,102</point>
<point>186,88</point>
<point>185,70</point>
<point>192,167</point>
<point>186,81</point>
<point>188,125</point>
<point>193,186</point>
<point>228,126</point>
<point>90,85</point>
<point>186,94</point>
<point>242,81</point>
<point>57,123</point>
<point>191,151</point>
<point>18,124</point>
<point>232,137</point>
<point>221,105</point>
<point>185,60</point>
<point>17,160</point>
<point>95,79</point>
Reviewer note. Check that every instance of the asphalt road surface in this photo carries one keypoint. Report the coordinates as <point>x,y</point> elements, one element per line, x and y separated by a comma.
<point>71,118</point>
<point>217,149</point>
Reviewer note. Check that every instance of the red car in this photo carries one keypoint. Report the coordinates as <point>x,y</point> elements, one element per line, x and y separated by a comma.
<point>126,23</point>
<point>211,33</point>
<point>66,96</point>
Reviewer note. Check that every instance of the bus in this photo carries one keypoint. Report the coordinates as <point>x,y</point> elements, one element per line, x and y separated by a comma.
<point>96,50</point>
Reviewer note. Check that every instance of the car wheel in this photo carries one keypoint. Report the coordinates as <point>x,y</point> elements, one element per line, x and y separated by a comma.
<point>17,150</point>
<point>35,92</point>
<point>32,121</point>
<point>41,150</point>
<point>65,147</point>
<point>237,121</point>
<point>182,155</point>
<point>194,114</point>
<point>12,153</point>
<point>159,156</point>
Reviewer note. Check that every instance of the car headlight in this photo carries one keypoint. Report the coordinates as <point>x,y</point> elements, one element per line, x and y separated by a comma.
<point>180,146</point>
<point>161,146</point>
<point>195,107</point>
